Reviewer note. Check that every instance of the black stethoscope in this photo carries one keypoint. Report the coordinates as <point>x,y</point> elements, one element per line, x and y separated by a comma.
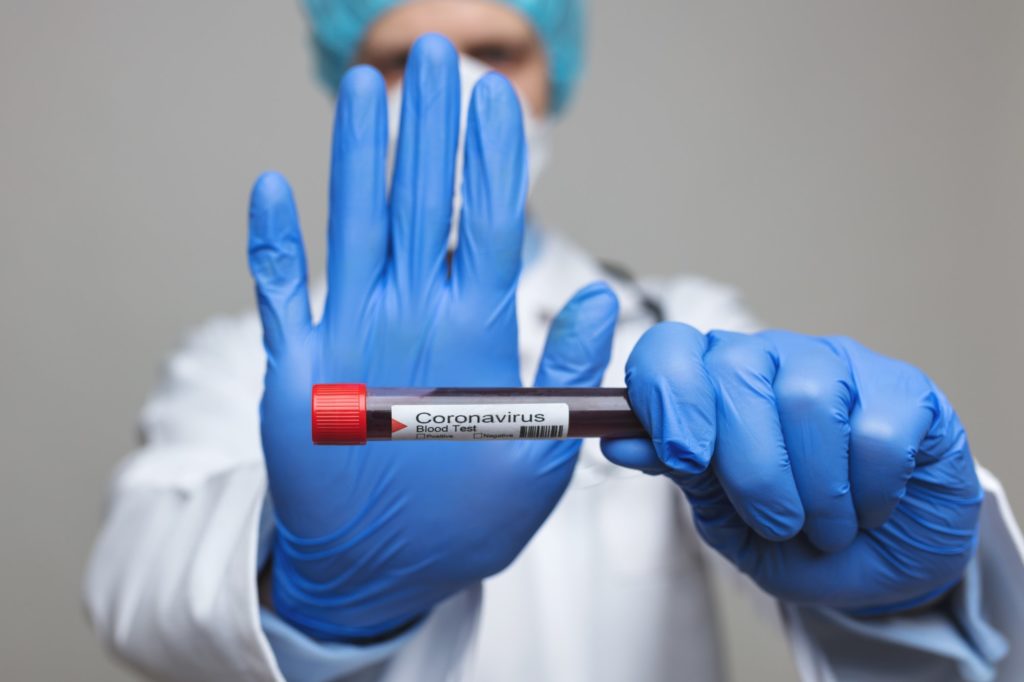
<point>627,279</point>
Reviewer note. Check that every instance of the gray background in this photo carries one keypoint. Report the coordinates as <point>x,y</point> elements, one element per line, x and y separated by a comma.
<point>854,168</point>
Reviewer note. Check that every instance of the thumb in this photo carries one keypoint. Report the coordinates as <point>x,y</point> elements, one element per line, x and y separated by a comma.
<point>673,397</point>
<point>580,341</point>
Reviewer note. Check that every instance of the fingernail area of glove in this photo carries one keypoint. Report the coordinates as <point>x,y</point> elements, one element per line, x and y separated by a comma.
<point>685,459</point>
<point>432,62</point>
<point>495,106</point>
<point>591,310</point>
<point>362,94</point>
<point>690,441</point>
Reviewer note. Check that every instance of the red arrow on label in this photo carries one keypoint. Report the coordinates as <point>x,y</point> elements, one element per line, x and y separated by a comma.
<point>396,425</point>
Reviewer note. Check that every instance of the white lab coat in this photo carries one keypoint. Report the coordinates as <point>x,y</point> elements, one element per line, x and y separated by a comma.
<point>612,587</point>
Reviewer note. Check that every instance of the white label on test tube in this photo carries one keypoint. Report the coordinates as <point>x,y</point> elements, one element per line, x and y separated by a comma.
<point>479,422</point>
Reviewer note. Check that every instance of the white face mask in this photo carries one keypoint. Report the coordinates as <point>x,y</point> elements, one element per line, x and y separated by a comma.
<point>536,130</point>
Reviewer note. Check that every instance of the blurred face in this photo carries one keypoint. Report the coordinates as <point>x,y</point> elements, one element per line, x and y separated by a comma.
<point>484,29</point>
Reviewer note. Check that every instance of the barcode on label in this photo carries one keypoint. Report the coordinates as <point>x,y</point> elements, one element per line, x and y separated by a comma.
<point>547,431</point>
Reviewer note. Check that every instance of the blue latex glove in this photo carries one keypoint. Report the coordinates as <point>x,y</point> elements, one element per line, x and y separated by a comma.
<point>370,538</point>
<point>828,473</point>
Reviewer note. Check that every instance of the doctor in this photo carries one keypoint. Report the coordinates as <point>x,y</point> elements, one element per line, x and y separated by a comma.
<point>839,481</point>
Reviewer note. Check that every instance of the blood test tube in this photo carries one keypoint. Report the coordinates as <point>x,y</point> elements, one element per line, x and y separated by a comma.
<point>351,414</point>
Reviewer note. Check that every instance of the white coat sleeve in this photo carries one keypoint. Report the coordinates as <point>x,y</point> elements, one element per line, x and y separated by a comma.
<point>980,637</point>
<point>171,585</point>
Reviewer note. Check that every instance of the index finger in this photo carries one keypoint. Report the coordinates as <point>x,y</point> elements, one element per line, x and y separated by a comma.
<point>751,459</point>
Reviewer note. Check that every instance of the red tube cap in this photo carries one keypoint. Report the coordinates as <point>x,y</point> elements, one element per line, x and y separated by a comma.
<point>339,414</point>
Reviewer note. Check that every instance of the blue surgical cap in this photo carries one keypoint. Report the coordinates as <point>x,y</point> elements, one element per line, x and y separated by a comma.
<point>338,27</point>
